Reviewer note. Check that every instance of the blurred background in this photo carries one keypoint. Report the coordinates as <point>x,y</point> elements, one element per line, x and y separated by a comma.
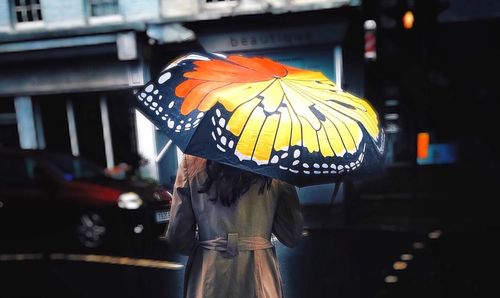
<point>85,179</point>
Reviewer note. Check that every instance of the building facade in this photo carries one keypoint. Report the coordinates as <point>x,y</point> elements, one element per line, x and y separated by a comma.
<point>68,69</point>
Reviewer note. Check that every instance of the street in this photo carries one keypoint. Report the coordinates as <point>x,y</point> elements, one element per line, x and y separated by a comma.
<point>330,263</point>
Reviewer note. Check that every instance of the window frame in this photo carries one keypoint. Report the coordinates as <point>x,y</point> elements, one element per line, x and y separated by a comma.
<point>103,19</point>
<point>25,25</point>
<point>226,4</point>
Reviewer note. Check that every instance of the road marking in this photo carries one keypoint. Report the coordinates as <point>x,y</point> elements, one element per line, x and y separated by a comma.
<point>150,263</point>
<point>21,257</point>
<point>117,261</point>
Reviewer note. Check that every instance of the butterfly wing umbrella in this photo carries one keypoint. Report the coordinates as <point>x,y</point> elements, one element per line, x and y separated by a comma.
<point>254,113</point>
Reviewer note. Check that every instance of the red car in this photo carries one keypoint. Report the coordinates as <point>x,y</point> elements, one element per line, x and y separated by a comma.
<point>57,201</point>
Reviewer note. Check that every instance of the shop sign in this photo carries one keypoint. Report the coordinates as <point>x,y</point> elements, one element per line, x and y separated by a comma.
<point>277,38</point>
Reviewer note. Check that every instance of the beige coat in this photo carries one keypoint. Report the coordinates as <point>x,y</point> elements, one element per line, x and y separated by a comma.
<point>229,248</point>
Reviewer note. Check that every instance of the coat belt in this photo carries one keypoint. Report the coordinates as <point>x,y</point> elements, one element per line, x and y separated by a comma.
<point>233,243</point>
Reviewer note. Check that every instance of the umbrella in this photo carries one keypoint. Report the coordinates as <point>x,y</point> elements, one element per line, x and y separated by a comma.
<point>259,115</point>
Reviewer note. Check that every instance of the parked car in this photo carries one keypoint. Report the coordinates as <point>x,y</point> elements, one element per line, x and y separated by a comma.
<point>57,201</point>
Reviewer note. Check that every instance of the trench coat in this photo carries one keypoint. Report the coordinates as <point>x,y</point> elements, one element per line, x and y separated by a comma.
<point>229,248</point>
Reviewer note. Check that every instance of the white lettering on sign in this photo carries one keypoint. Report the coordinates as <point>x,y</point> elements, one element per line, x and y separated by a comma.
<point>282,39</point>
<point>253,40</point>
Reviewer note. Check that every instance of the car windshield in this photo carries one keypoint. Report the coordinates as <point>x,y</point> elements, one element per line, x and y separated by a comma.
<point>76,168</point>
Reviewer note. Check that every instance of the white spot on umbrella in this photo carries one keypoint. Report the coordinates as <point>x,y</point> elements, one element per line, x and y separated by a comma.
<point>170,123</point>
<point>164,77</point>
<point>222,122</point>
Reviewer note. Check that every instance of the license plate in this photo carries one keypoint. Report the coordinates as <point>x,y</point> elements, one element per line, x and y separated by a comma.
<point>162,216</point>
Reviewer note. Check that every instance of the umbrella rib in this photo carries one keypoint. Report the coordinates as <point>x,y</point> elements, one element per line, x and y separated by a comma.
<point>258,135</point>
<point>296,113</point>
<point>260,130</point>
<point>276,134</point>
<point>274,80</point>
<point>328,139</point>
<point>236,64</point>
<point>291,124</point>
<point>308,80</point>
<point>246,121</point>
<point>232,62</point>
<point>361,114</point>
<point>327,111</point>
<point>347,128</point>
<point>336,128</point>
<point>206,94</point>
<point>341,139</point>
<point>300,123</point>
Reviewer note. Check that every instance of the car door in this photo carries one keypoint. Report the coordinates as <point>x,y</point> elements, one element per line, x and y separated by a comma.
<point>23,197</point>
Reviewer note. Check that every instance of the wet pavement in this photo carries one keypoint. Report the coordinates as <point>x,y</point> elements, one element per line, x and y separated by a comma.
<point>342,262</point>
<point>439,246</point>
<point>79,275</point>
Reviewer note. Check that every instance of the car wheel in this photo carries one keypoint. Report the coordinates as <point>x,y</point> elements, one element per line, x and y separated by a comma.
<point>91,230</point>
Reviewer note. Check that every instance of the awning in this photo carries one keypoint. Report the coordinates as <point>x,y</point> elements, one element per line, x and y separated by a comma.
<point>71,64</point>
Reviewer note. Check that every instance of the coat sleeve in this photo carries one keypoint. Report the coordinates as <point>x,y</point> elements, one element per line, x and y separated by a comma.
<point>288,220</point>
<point>181,229</point>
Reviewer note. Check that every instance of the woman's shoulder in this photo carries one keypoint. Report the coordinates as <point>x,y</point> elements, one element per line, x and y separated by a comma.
<point>193,158</point>
<point>194,164</point>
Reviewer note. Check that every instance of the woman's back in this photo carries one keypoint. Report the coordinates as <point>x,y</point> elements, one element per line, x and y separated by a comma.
<point>251,214</point>
<point>233,255</point>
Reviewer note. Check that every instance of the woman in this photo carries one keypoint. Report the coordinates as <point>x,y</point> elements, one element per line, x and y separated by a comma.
<point>223,218</point>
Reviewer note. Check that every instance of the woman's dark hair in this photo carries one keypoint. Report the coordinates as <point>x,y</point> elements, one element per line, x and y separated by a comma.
<point>231,182</point>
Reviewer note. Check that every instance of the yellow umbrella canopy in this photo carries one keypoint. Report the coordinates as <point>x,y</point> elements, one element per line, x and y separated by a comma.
<point>263,116</point>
